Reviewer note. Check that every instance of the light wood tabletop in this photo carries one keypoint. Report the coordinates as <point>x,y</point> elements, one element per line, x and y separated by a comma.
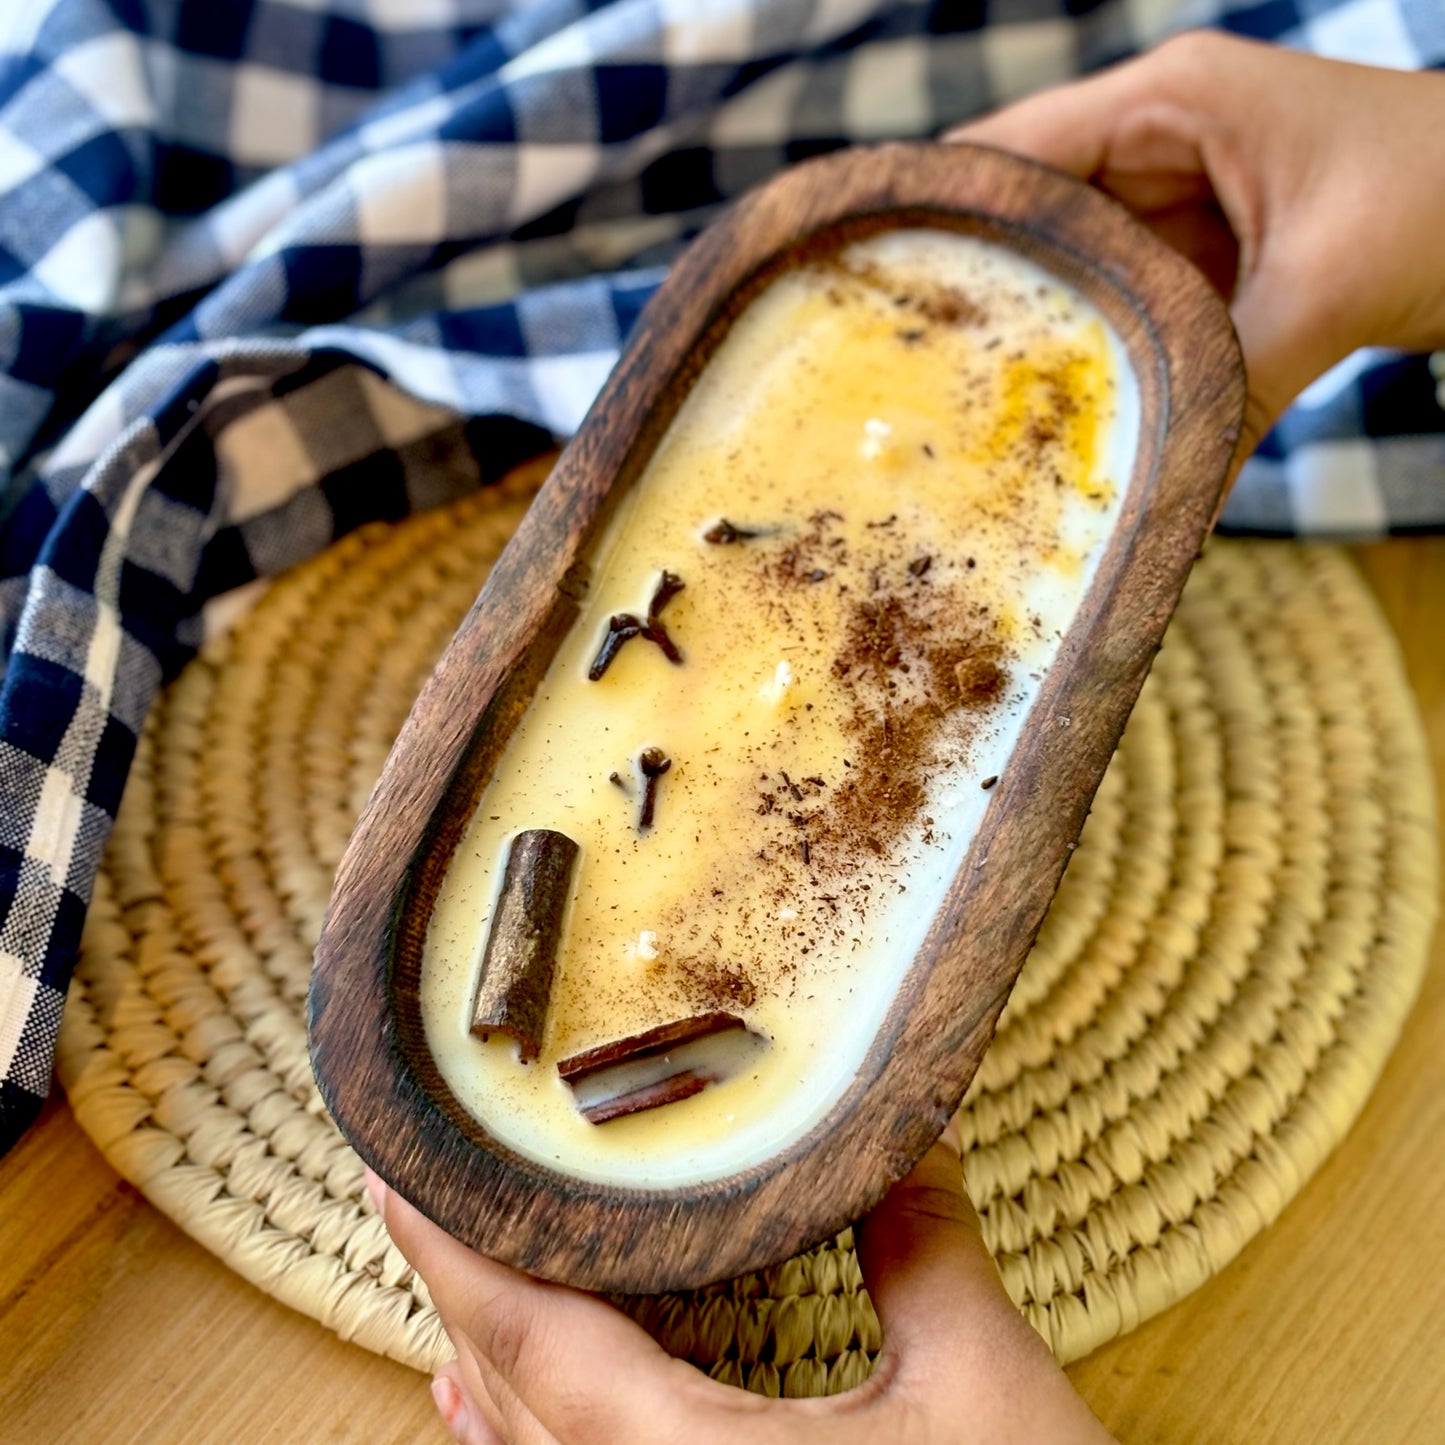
<point>115,1327</point>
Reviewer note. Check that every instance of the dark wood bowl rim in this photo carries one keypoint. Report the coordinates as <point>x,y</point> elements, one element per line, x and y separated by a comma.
<point>372,1065</point>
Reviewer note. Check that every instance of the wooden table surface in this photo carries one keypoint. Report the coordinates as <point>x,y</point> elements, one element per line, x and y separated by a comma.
<point>115,1327</point>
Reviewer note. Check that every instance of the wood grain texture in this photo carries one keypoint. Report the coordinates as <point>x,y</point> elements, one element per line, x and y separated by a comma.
<point>367,1041</point>
<point>115,1327</point>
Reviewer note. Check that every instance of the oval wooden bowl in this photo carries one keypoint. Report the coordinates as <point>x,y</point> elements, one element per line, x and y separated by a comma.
<point>367,1044</point>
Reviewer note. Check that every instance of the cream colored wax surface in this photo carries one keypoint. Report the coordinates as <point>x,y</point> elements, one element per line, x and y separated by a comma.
<point>929,437</point>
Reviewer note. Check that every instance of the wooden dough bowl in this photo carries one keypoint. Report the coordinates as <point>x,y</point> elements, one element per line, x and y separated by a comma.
<point>367,1042</point>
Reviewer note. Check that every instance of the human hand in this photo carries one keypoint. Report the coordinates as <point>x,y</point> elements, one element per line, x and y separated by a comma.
<point>539,1362</point>
<point>1307,190</point>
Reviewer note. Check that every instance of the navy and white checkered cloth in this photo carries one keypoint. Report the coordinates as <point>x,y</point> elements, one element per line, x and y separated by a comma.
<point>242,240</point>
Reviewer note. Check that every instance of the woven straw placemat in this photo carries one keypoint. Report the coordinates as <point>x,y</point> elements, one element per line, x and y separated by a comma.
<point>1224,971</point>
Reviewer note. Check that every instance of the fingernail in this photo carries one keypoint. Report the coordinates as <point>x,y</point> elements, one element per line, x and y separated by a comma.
<point>376,1192</point>
<point>448,1400</point>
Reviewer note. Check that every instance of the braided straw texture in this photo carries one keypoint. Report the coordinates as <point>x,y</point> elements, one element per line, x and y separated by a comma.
<point>1223,973</point>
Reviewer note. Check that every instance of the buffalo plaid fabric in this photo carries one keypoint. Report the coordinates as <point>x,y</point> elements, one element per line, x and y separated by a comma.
<point>270,269</point>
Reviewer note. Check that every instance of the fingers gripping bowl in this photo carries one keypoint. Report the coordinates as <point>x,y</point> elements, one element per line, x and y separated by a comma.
<point>695,883</point>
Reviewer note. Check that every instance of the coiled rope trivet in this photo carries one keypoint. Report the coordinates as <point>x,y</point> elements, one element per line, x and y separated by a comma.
<point>1217,987</point>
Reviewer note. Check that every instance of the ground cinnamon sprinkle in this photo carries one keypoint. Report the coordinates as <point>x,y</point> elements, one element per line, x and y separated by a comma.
<point>918,663</point>
<point>970,676</point>
<point>930,301</point>
<point>903,741</point>
<point>710,984</point>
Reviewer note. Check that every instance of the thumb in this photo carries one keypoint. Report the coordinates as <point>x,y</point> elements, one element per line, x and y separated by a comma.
<point>939,1297</point>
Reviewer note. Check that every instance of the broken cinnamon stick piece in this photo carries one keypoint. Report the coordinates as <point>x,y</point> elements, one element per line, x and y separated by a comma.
<point>650,1096</point>
<point>660,1066</point>
<point>646,1045</point>
<point>516,980</point>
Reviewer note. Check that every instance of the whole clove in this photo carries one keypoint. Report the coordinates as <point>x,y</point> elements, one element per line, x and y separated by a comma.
<point>515,986</point>
<point>622,627</point>
<point>656,631</point>
<point>652,763</point>
<point>723,534</point>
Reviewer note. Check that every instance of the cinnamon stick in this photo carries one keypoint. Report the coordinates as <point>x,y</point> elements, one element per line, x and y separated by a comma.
<point>646,1045</point>
<point>665,1091</point>
<point>671,1079</point>
<point>515,987</point>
